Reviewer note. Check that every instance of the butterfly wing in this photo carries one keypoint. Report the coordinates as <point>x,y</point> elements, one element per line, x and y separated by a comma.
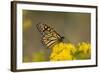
<point>49,35</point>
<point>50,39</point>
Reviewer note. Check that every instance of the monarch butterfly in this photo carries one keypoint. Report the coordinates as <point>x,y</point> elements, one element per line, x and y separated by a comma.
<point>49,35</point>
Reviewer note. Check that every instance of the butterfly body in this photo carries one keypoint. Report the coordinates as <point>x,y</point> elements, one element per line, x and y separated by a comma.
<point>49,36</point>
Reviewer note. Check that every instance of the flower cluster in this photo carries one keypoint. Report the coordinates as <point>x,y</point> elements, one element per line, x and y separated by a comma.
<point>69,51</point>
<point>83,51</point>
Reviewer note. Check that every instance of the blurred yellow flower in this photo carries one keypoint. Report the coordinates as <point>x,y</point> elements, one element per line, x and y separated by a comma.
<point>68,51</point>
<point>27,23</point>
<point>84,47</point>
<point>62,51</point>
<point>85,50</point>
<point>38,56</point>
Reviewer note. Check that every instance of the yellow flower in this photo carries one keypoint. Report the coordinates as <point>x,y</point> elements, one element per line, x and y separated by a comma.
<point>38,56</point>
<point>55,47</point>
<point>68,51</point>
<point>27,23</point>
<point>85,50</point>
<point>62,51</point>
<point>70,47</point>
<point>84,47</point>
<point>65,55</point>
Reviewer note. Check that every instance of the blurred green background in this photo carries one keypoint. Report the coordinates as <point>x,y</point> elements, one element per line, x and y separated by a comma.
<point>73,26</point>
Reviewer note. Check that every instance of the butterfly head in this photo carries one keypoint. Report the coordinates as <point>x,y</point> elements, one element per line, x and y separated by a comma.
<point>61,39</point>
